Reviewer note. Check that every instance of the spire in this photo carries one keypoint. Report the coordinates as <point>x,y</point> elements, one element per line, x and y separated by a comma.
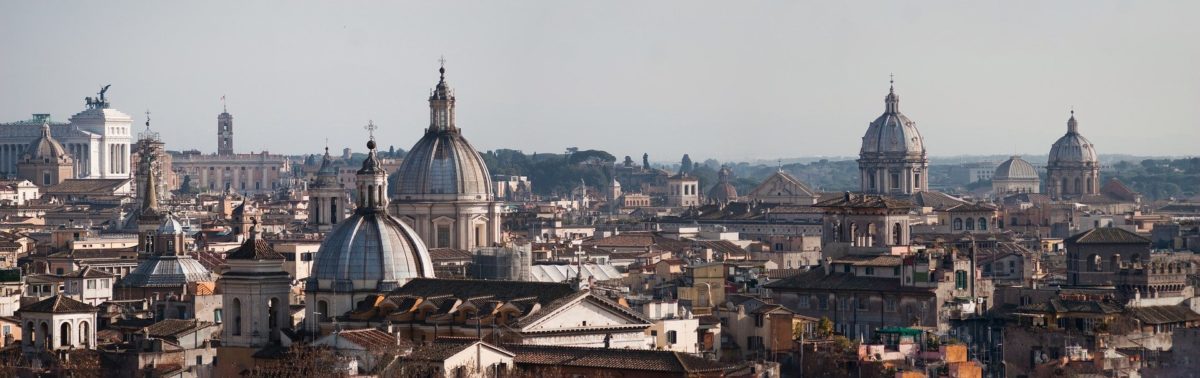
<point>892,101</point>
<point>1072,125</point>
<point>441,103</point>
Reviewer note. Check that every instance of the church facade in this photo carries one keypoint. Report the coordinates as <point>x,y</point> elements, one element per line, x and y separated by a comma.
<point>444,190</point>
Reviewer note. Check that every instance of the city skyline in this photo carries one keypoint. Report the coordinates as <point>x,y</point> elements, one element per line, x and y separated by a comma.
<point>668,81</point>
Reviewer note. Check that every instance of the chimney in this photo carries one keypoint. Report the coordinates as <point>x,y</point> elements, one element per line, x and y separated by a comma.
<point>827,263</point>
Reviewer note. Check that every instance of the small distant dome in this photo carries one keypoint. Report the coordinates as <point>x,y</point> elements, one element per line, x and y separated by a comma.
<point>723,191</point>
<point>46,149</point>
<point>170,226</point>
<point>1073,148</point>
<point>1015,168</point>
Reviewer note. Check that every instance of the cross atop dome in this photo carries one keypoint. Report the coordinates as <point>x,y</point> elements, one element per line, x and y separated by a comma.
<point>370,127</point>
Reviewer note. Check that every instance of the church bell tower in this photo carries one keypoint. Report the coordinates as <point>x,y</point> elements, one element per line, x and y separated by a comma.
<point>224,133</point>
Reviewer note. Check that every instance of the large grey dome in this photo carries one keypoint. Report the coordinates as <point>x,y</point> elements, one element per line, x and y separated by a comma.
<point>371,250</point>
<point>892,133</point>
<point>1015,168</point>
<point>1073,148</point>
<point>443,165</point>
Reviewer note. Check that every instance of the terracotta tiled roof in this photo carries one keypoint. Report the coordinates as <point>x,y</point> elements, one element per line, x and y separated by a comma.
<point>1164,314</point>
<point>816,279</point>
<point>881,260</point>
<point>624,359</point>
<point>1107,235</point>
<point>369,338</point>
<point>86,186</point>
<point>88,272</point>
<point>58,304</point>
<point>971,207</point>
<point>545,292</point>
<point>254,248</point>
<point>936,200</point>
<point>865,201</point>
<point>1059,306</point>
<point>449,254</point>
<point>172,328</point>
<point>441,349</point>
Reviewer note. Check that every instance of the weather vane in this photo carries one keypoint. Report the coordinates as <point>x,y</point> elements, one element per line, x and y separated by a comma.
<point>442,61</point>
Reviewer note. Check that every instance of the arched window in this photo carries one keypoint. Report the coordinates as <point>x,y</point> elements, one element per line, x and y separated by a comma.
<point>237,317</point>
<point>1090,189</point>
<point>1078,186</point>
<point>1116,261</point>
<point>1065,186</point>
<point>1096,263</point>
<point>958,224</point>
<point>28,335</point>
<point>970,224</point>
<point>85,338</point>
<point>323,309</point>
<point>897,234</point>
<point>983,224</point>
<point>872,232</point>
<point>64,334</point>
<point>853,234</point>
<point>47,338</point>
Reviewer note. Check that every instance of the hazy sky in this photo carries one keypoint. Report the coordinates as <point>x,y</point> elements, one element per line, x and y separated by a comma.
<point>730,80</point>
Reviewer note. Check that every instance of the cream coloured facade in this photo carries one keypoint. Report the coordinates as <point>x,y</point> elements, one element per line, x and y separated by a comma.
<point>97,138</point>
<point>244,173</point>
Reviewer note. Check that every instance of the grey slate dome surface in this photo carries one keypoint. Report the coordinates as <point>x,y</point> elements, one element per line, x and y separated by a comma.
<point>1073,147</point>
<point>1015,168</point>
<point>167,271</point>
<point>892,132</point>
<point>442,165</point>
<point>371,250</point>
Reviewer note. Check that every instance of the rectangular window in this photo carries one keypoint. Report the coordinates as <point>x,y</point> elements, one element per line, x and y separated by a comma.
<point>104,283</point>
<point>803,303</point>
<point>823,301</point>
<point>889,304</point>
<point>443,236</point>
<point>896,271</point>
<point>91,284</point>
<point>862,303</point>
<point>672,337</point>
<point>870,271</point>
<point>217,316</point>
<point>895,181</point>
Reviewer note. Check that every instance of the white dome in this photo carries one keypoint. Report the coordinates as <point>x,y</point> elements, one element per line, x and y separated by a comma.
<point>1015,168</point>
